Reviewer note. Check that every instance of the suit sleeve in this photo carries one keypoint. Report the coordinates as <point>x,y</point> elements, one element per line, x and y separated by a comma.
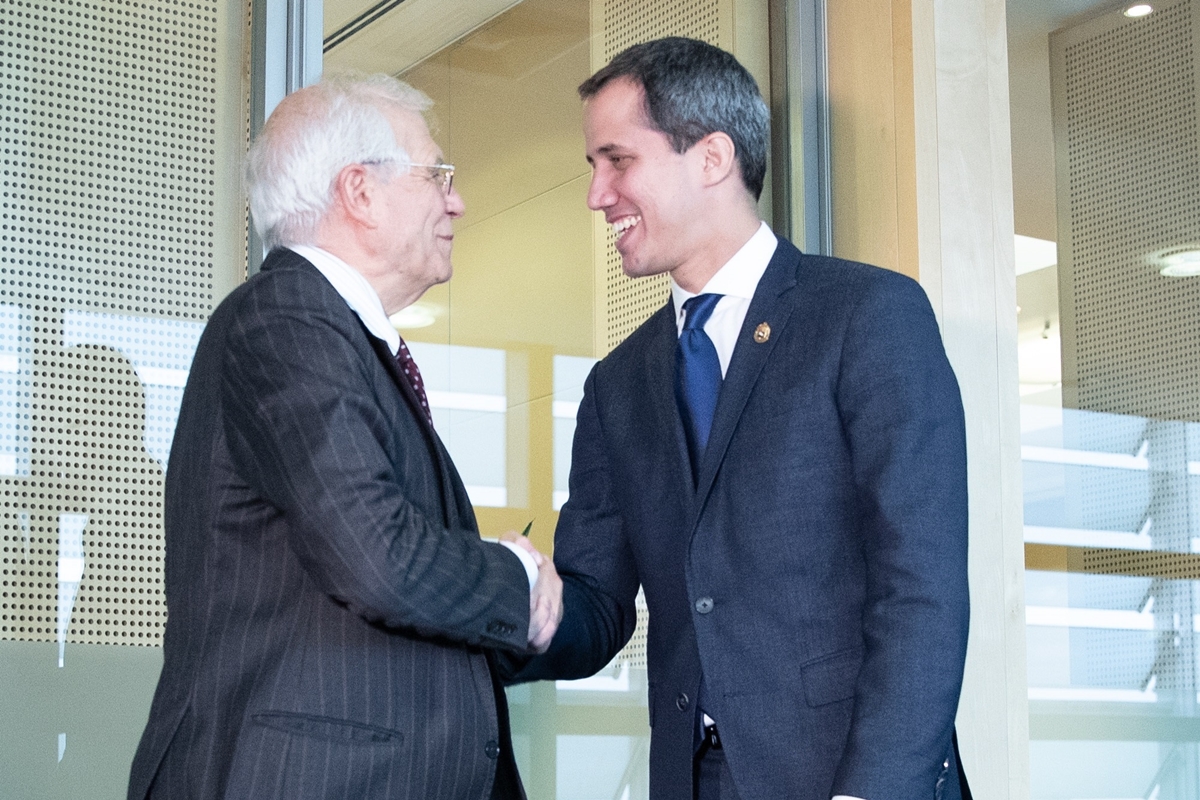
<point>903,419</point>
<point>306,431</point>
<point>593,556</point>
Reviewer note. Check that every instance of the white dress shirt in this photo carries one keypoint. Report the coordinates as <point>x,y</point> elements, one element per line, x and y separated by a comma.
<point>363,301</point>
<point>736,281</point>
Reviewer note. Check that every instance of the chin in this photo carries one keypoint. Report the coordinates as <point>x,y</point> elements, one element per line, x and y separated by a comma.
<point>639,269</point>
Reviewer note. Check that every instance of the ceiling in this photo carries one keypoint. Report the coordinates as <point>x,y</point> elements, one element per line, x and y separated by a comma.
<point>392,35</point>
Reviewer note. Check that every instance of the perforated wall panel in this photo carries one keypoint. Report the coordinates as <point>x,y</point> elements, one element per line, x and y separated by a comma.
<point>110,181</point>
<point>1128,177</point>
<point>628,302</point>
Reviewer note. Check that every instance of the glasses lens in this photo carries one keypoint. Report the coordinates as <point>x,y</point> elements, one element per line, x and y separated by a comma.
<point>447,178</point>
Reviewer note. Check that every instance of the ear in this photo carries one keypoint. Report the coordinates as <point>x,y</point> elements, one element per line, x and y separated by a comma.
<point>719,157</point>
<point>354,194</point>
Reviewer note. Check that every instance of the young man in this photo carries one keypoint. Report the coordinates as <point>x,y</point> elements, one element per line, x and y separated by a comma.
<point>777,457</point>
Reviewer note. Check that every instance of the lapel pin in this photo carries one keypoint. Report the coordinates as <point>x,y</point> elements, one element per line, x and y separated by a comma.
<point>762,333</point>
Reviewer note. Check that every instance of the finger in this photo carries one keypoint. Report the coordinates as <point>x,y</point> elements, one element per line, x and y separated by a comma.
<point>545,636</point>
<point>542,636</point>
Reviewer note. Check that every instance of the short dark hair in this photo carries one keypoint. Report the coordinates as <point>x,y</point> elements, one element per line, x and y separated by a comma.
<point>693,89</point>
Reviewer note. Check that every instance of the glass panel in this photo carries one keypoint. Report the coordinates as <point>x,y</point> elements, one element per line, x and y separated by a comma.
<point>122,228</point>
<point>1105,158</point>
<point>522,305</point>
<point>537,296</point>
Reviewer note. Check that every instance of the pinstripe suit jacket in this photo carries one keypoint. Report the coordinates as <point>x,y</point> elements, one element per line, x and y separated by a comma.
<point>332,610</point>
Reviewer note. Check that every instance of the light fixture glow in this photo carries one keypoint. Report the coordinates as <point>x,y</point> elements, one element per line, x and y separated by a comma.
<point>1034,254</point>
<point>1139,10</point>
<point>1180,264</point>
<point>418,315</point>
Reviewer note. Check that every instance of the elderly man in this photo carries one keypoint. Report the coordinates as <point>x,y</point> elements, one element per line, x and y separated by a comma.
<point>334,614</point>
<point>777,457</point>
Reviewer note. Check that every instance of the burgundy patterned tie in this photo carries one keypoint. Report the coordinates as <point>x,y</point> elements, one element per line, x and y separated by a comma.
<point>405,361</point>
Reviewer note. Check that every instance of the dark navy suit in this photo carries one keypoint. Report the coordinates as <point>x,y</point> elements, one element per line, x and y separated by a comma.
<point>333,613</point>
<point>817,575</point>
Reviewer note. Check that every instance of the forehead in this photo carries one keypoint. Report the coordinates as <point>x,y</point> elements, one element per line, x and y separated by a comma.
<point>412,133</point>
<point>616,117</point>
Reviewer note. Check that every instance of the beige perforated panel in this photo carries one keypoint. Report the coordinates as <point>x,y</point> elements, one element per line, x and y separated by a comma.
<point>110,180</point>
<point>627,303</point>
<point>628,22</point>
<point>1129,188</point>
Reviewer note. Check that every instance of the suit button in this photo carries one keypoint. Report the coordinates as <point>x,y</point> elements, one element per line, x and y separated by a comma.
<point>492,749</point>
<point>704,605</point>
<point>681,702</point>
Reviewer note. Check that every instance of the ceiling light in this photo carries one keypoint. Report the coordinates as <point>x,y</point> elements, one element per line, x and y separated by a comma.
<point>1180,263</point>
<point>418,315</point>
<point>1139,10</point>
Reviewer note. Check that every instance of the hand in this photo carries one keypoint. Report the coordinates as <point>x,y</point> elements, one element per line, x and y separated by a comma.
<point>545,599</point>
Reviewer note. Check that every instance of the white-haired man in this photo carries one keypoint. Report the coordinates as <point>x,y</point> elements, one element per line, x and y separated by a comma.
<point>333,610</point>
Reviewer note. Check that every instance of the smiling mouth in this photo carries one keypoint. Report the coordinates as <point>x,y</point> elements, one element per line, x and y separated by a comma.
<point>624,225</point>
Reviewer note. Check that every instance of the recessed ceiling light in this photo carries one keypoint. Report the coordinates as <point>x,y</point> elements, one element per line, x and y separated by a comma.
<point>1180,263</point>
<point>1139,10</point>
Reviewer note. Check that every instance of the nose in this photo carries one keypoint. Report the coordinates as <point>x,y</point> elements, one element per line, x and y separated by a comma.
<point>601,194</point>
<point>455,206</point>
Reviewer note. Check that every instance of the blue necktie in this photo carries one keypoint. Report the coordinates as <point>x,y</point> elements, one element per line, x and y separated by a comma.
<point>697,376</point>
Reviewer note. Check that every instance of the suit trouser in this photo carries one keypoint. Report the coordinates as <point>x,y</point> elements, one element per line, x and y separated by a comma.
<point>713,781</point>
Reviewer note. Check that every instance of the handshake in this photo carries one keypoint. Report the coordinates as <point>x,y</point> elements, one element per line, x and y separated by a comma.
<point>545,599</point>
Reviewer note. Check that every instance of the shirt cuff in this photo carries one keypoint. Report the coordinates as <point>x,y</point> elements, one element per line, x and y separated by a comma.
<point>845,797</point>
<point>531,569</point>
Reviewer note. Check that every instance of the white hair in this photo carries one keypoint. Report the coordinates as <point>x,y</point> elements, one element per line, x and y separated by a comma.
<point>292,164</point>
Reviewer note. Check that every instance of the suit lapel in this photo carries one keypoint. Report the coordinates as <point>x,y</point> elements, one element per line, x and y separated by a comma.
<point>393,369</point>
<point>432,441</point>
<point>281,258</point>
<point>659,380</point>
<point>771,305</point>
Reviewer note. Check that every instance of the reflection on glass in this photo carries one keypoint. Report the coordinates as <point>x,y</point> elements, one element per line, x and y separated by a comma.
<point>1112,500</point>
<point>570,373</point>
<point>584,740</point>
<point>70,572</point>
<point>1112,638</point>
<point>161,350</point>
<point>23,521</point>
<point>16,353</point>
<point>609,759</point>
<point>466,389</point>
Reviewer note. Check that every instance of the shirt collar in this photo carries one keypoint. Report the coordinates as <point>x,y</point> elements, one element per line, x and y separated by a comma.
<point>355,290</point>
<point>740,275</point>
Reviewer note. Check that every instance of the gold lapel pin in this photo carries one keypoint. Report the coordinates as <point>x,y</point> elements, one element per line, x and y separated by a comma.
<point>762,333</point>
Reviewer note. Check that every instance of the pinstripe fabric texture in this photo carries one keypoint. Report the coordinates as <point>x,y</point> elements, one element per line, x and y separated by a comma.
<point>332,610</point>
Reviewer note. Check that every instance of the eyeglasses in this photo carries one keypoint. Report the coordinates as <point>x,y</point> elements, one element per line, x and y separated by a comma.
<point>442,174</point>
<point>439,173</point>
